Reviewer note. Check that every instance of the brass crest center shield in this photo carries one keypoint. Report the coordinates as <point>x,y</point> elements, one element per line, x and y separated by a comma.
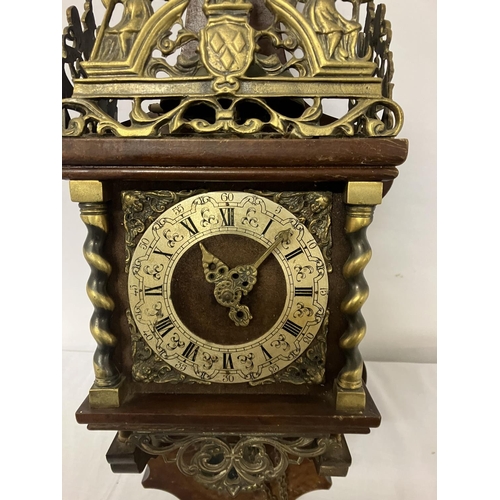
<point>227,48</point>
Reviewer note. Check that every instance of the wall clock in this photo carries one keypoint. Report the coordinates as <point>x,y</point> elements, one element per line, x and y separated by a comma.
<point>227,216</point>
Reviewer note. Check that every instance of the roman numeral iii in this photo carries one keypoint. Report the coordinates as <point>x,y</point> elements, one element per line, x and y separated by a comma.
<point>303,291</point>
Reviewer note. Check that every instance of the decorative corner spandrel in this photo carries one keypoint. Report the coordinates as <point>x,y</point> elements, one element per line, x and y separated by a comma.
<point>230,76</point>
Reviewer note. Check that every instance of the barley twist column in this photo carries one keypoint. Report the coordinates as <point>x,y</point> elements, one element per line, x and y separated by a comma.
<point>93,211</point>
<point>360,199</point>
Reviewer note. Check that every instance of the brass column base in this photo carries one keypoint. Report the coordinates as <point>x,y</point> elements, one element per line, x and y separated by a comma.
<point>350,400</point>
<point>107,397</point>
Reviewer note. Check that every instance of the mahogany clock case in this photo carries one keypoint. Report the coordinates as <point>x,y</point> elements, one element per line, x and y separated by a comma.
<point>305,408</point>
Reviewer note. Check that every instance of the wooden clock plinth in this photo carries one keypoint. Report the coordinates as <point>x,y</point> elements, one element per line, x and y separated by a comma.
<point>234,413</point>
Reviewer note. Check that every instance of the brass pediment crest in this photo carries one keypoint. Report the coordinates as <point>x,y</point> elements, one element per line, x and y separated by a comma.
<point>229,75</point>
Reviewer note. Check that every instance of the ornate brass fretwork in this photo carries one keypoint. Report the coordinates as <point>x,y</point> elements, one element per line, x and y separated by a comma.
<point>141,209</point>
<point>308,368</point>
<point>239,80</point>
<point>232,464</point>
<point>148,366</point>
<point>313,209</point>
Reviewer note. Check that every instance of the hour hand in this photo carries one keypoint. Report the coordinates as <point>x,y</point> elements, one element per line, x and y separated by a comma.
<point>230,285</point>
<point>214,269</point>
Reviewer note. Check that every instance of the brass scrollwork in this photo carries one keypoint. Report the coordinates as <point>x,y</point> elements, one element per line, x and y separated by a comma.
<point>231,465</point>
<point>230,84</point>
<point>313,209</point>
<point>308,368</point>
<point>147,366</point>
<point>140,210</point>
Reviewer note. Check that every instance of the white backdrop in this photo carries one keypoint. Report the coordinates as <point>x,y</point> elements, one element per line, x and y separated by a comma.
<point>401,310</point>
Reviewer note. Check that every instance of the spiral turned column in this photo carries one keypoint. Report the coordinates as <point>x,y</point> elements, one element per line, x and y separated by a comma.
<point>106,391</point>
<point>360,199</point>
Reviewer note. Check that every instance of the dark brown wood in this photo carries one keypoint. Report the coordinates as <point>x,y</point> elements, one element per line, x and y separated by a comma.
<point>231,413</point>
<point>201,159</point>
<point>212,174</point>
<point>166,477</point>
<point>125,458</point>
<point>335,461</point>
<point>225,152</point>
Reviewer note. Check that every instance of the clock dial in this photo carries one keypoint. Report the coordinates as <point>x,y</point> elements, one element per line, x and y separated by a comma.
<point>228,287</point>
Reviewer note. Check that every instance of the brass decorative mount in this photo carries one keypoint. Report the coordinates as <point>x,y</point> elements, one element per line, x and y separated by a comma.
<point>230,84</point>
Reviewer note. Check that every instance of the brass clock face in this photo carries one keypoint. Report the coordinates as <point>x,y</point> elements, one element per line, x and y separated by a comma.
<point>228,287</point>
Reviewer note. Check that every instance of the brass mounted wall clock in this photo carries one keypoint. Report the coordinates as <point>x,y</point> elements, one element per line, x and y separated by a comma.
<point>228,287</point>
<point>227,215</point>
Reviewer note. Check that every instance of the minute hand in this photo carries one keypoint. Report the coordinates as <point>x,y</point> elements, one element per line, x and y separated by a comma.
<point>280,237</point>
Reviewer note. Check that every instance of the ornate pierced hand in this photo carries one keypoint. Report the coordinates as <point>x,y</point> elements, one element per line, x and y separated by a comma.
<point>231,285</point>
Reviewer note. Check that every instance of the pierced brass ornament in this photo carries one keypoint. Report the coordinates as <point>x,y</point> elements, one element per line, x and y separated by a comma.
<point>235,464</point>
<point>229,77</point>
